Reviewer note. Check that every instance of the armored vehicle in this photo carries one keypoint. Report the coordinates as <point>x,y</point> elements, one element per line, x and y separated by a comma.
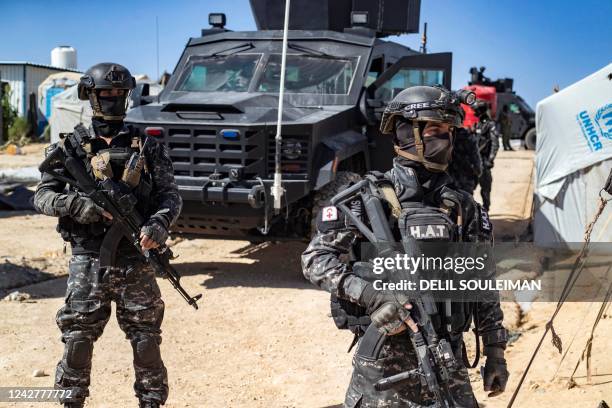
<point>217,115</point>
<point>522,117</point>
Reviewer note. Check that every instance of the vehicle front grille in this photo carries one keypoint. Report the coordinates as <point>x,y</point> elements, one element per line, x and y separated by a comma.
<point>199,152</point>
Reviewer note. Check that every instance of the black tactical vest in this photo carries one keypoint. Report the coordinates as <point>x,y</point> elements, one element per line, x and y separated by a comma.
<point>88,238</point>
<point>420,220</point>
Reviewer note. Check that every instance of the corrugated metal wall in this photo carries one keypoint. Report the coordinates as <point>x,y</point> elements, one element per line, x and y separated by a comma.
<point>13,74</point>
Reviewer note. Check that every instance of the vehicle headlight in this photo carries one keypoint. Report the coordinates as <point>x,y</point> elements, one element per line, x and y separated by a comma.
<point>291,149</point>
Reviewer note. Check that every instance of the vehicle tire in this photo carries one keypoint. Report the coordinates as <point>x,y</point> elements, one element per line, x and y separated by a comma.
<point>530,139</point>
<point>323,196</point>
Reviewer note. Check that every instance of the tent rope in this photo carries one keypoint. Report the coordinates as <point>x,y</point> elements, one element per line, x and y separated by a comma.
<point>577,268</point>
<point>586,352</point>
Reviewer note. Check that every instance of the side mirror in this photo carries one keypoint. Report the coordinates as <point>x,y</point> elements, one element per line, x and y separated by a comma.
<point>140,95</point>
<point>367,108</point>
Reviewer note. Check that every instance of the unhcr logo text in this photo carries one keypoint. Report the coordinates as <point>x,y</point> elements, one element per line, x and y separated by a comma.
<point>589,131</point>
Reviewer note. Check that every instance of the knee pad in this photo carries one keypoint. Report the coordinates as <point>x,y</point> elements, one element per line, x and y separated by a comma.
<point>146,352</point>
<point>78,352</point>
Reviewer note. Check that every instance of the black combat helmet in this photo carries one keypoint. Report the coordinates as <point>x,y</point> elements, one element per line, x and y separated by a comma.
<point>406,118</point>
<point>426,103</point>
<point>105,76</point>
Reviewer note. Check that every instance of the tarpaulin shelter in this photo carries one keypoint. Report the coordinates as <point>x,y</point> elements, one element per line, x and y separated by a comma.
<point>573,161</point>
<point>67,112</point>
<point>55,84</point>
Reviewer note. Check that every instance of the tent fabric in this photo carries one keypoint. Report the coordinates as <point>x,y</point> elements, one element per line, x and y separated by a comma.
<point>57,80</point>
<point>574,128</point>
<point>573,161</point>
<point>67,112</point>
<point>563,220</point>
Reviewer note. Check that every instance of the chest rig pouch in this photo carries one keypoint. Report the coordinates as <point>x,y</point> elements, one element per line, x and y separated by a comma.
<point>127,165</point>
<point>123,164</point>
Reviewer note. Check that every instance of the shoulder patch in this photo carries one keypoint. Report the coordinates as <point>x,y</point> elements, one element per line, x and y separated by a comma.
<point>329,214</point>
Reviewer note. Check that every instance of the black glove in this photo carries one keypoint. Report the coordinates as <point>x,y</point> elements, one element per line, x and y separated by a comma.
<point>386,308</point>
<point>495,371</point>
<point>156,230</point>
<point>85,211</point>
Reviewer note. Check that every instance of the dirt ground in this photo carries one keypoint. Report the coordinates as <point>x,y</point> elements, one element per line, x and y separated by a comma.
<point>30,155</point>
<point>263,336</point>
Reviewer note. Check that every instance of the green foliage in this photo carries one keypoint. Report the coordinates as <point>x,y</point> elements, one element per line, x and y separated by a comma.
<point>9,114</point>
<point>19,132</point>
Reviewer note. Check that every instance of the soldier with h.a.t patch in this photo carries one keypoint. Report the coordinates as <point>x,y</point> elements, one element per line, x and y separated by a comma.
<point>422,120</point>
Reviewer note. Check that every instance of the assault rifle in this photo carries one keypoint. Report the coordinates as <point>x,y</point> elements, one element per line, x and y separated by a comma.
<point>435,357</point>
<point>115,198</point>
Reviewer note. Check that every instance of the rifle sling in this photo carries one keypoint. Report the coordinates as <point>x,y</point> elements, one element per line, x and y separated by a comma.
<point>110,243</point>
<point>466,362</point>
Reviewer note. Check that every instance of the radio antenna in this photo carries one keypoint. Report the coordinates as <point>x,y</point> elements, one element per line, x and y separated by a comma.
<point>277,188</point>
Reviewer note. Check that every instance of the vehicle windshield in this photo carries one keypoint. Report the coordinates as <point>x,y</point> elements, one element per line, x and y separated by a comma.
<point>305,74</point>
<point>220,74</point>
<point>309,75</point>
<point>524,106</point>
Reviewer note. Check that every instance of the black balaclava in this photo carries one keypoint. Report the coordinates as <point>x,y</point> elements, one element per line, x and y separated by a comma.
<point>437,149</point>
<point>106,128</point>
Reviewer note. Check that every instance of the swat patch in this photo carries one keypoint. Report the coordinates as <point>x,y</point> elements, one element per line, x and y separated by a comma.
<point>329,214</point>
<point>429,231</point>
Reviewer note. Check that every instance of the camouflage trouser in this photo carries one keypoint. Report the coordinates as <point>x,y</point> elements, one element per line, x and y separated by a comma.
<point>87,309</point>
<point>398,355</point>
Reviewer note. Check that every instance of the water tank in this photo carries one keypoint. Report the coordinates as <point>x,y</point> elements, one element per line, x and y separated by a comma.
<point>64,56</point>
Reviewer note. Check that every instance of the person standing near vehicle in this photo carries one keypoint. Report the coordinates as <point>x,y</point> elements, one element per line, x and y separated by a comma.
<point>488,144</point>
<point>505,124</point>
<point>422,120</point>
<point>130,282</point>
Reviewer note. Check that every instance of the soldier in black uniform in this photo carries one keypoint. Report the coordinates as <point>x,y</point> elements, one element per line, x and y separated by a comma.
<point>506,128</point>
<point>488,144</point>
<point>109,144</point>
<point>466,166</point>
<point>421,120</point>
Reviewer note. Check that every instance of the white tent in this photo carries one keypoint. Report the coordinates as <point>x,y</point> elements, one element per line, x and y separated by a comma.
<point>57,82</point>
<point>573,160</point>
<point>67,112</point>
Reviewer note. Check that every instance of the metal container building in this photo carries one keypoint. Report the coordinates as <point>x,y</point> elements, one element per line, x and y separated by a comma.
<point>23,79</point>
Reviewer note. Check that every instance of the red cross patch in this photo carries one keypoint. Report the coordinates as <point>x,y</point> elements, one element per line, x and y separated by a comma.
<point>329,214</point>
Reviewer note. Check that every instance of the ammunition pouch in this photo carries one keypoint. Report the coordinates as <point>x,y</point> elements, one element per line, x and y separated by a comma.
<point>101,166</point>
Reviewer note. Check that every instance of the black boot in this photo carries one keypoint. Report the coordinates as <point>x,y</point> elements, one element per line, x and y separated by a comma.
<point>148,404</point>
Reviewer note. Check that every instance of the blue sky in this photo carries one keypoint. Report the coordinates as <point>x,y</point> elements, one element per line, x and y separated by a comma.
<point>538,43</point>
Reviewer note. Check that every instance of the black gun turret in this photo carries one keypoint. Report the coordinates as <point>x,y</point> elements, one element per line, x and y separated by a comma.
<point>382,18</point>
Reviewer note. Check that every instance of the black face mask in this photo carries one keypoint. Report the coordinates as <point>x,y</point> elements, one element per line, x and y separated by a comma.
<point>437,149</point>
<point>106,128</point>
<point>109,107</point>
<point>112,105</point>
